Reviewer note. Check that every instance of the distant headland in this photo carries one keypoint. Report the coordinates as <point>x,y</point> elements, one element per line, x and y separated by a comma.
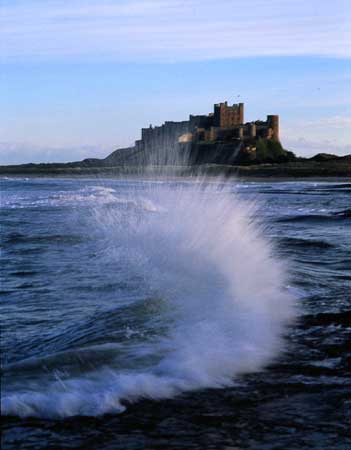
<point>218,143</point>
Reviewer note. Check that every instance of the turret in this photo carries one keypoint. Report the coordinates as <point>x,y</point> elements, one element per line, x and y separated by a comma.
<point>228,116</point>
<point>241,113</point>
<point>273,122</point>
<point>252,130</point>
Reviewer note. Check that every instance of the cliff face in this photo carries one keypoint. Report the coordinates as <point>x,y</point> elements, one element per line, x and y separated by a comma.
<point>227,152</point>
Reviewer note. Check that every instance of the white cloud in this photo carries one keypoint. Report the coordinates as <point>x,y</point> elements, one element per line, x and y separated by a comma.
<point>172,30</point>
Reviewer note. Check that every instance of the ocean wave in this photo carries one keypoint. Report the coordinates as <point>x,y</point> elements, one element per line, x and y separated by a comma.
<point>88,196</point>
<point>335,186</point>
<point>298,242</point>
<point>19,238</point>
<point>344,213</point>
<point>222,311</point>
<point>330,216</point>
<point>324,319</point>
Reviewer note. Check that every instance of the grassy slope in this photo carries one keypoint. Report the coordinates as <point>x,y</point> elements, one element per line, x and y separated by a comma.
<point>306,168</point>
<point>271,160</point>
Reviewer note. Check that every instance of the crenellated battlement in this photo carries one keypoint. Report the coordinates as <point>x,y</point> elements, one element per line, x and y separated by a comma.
<point>225,124</point>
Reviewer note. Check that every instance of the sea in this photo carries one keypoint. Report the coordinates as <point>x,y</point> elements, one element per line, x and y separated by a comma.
<point>175,313</point>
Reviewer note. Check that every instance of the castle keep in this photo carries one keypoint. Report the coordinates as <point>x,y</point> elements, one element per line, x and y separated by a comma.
<point>225,126</point>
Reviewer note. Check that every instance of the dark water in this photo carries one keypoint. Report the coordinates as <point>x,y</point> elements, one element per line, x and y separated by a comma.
<point>94,277</point>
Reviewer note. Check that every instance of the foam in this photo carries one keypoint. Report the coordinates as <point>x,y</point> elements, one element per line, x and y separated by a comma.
<point>203,254</point>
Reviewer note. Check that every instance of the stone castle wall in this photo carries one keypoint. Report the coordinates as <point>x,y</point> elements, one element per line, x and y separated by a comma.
<point>225,124</point>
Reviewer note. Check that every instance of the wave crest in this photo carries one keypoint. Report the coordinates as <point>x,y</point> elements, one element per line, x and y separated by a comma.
<point>226,304</point>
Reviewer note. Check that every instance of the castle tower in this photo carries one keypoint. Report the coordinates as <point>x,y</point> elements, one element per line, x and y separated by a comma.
<point>273,122</point>
<point>228,116</point>
<point>241,113</point>
<point>252,130</point>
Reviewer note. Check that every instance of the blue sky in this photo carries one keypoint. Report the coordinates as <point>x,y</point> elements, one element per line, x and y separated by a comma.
<point>80,78</point>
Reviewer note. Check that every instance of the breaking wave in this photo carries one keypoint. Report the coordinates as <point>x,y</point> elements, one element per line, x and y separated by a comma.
<point>216,294</point>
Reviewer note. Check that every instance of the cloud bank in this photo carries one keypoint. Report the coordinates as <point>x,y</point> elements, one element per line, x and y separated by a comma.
<point>172,30</point>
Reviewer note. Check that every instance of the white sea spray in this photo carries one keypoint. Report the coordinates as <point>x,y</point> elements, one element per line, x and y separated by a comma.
<point>197,247</point>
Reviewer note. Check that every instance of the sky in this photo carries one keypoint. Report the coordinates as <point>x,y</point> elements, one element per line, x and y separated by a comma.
<point>80,78</point>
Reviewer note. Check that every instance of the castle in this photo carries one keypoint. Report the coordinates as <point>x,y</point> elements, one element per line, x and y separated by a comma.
<point>225,126</point>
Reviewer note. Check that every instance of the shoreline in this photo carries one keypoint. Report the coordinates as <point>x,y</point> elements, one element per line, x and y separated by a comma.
<point>312,171</point>
<point>209,178</point>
